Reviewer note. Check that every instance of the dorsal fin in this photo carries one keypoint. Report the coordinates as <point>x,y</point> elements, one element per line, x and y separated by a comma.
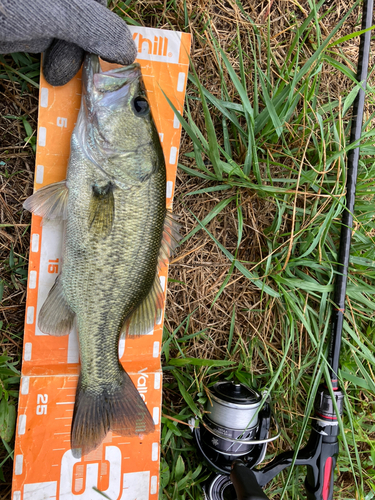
<point>143,318</point>
<point>50,202</point>
<point>171,236</point>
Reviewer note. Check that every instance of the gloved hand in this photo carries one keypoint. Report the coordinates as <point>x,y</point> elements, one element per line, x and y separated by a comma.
<point>64,29</point>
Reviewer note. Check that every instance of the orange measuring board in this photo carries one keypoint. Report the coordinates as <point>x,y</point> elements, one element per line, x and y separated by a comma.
<point>122,467</point>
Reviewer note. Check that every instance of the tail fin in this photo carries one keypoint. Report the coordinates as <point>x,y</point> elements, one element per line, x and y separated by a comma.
<point>97,410</point>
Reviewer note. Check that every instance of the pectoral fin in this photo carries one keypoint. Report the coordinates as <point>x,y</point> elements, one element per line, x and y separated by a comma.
<point>102,210</point>
<point>143,318</point>
<point>50,202</point>
<point>56,317</point>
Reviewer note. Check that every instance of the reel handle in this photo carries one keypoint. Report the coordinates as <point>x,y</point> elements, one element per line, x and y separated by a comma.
<point>319,479</point>
<point>245,483</point>
<point>324,433</point>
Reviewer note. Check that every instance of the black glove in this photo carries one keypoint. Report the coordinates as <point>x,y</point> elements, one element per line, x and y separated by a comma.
<point>64,29</point>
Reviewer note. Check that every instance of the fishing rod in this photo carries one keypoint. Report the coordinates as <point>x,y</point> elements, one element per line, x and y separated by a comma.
<point>234,433</point>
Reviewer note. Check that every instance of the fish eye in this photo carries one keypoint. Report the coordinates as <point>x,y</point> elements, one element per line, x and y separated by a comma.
<point>140,106</point>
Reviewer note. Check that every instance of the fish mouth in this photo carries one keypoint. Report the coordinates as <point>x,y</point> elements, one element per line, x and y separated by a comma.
<point>95,80</point>
<point>119,72</point>
<point>114,79</point>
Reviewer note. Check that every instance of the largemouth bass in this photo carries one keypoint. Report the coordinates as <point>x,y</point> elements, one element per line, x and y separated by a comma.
<point>117,230</point>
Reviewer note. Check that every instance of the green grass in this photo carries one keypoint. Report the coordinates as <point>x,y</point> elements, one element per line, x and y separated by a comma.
<point>287,143</point>
<point>24,70</point>
<point>9,381</point>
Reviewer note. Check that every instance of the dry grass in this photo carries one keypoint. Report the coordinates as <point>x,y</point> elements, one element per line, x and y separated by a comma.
<point>16,183</point>
<point>17,172</point>
<point>199,264</point>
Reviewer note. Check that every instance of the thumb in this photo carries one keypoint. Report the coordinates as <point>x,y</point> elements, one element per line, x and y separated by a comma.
<point>61,62</point>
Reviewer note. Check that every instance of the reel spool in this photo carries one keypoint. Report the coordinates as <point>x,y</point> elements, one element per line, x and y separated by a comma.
<point>219,487</point>
<point>236,426</point>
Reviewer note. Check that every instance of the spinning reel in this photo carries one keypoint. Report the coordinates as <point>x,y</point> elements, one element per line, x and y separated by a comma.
<point>233,437</point>
<point>236,426</point>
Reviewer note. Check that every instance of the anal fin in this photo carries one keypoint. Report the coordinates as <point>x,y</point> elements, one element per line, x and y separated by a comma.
<point>50,202</point>
<point>56,317</point>
<point>143,318</point>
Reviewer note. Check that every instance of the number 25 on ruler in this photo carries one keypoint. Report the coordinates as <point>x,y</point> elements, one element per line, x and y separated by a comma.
<point>41,400</point>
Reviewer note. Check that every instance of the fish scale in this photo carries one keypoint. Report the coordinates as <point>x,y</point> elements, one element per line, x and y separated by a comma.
<point>135,254</point>
<point>117,230</point>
